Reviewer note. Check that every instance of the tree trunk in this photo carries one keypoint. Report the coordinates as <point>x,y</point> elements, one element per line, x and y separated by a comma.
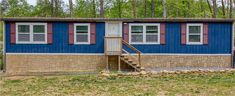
<point>209,5</point>
<point>214,8</point>
<point>56,6</point>
<point>223,8</point>
<point>145,8</point>
<point>153,8</point>
<point>202,8</point>
<point>164,9</point>
<point>102,8</point>
<point>71,8</point>
<point>188,3</point>
<point>94,8</point>
<point>119,8</point>
<point>231,9</point>
<point>52,8</point>
<point>133,3</point>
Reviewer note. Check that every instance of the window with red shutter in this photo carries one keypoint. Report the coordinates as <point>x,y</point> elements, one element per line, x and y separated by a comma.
<point>144,33</point>
<point>31,33</point>
<point>194,33</point>
<point>82,34</point>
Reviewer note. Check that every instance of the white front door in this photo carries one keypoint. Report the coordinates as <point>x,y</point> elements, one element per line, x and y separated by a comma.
<point>113,29</point>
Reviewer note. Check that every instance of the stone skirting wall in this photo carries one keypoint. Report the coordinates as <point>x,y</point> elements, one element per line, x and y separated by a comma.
<point>89,63</point>
<point>170,61</point>
<point>53,63</point>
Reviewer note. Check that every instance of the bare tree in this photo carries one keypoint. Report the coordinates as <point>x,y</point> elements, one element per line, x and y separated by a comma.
<point>223,8</point>
<point>153,8</point>
<point>4,6</point>
<point>214,8</point>
<point>209,5</point>
<point>52,8</point>
<point>119,8</point>
<point>56,7</point>
<point>94,8</point>
<point>102,8</point>
<point>202,8</point>
<point>189,8</point>
<point>164,9</point>
<point>231,9</point>
<point>133,3</point>
<point>71,8</point>
<point>145,8</point>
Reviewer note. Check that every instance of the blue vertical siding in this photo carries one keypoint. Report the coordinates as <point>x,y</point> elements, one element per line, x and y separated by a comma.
<point>219,42</point>
<point>60,42</point>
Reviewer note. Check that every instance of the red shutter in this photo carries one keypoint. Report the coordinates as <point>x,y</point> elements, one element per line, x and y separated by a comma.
<point>49,33</point>
<point>205,33</point>
<point>13,33</point>
<point>126,32</point>
<point>183,33</point>
<point>71,33</point>
<point>162,33</point>
<point>93,33</point>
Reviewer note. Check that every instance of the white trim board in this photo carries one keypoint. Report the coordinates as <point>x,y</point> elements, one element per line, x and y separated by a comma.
<point>124,54</point>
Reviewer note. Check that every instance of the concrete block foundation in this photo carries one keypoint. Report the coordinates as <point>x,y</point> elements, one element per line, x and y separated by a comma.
<point>22,64</point>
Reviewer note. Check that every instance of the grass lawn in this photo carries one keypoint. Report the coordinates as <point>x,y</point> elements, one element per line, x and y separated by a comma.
<point>193,84</point>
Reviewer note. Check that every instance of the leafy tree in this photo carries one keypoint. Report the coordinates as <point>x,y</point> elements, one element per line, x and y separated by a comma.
<point>42,9</point>
<point>4,6</point>
<point>120,8</point>
<point>18,8</point>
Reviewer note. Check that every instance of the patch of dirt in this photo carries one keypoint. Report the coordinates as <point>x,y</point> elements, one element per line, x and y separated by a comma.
<point>19,77</point>
<point>162,93</point>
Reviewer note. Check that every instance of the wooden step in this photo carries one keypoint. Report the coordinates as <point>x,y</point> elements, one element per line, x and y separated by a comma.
<point>138,66</point>
<point>130,61</point>
<point>126,58</point>
<point>142,68</point>
<point>133,63</point>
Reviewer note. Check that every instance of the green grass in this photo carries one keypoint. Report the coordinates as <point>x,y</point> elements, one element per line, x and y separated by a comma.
<point>209,84</point>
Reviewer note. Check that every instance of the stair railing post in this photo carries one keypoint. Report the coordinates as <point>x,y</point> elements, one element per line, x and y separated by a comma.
<point>119,64</point>
<point>119,57</point>
<point>139,59</point>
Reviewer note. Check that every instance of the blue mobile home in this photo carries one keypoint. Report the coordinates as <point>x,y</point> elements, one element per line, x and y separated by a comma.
<point>89,44</point>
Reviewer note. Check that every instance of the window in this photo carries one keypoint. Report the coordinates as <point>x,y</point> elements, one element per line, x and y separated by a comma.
<point>82,33</point>
<point>194,33</point>
<point>137,33</point>
<point>144,33</point>
<point>31,33</point>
